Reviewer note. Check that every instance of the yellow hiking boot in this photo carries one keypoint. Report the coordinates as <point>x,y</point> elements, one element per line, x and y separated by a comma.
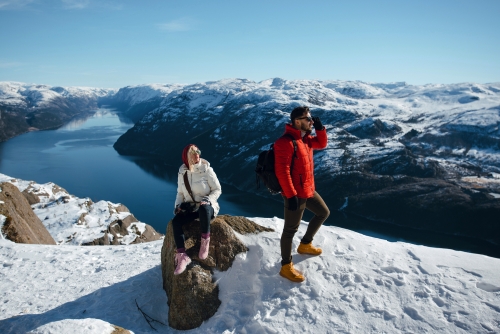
<point>289,272</point>
<point>309,249</point>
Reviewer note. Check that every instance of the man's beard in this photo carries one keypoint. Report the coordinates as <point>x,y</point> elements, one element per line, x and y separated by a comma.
<point>305,127</point>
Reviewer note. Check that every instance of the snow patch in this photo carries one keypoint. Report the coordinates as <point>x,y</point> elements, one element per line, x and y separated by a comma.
<point>87,326</point>
<point>2,221</point>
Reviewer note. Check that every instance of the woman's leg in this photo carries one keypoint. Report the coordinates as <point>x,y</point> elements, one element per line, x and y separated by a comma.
<point>179,220</point>
<point>206,213</point>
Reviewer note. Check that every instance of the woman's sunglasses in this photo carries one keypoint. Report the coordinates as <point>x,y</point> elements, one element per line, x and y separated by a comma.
<point>197,151</point>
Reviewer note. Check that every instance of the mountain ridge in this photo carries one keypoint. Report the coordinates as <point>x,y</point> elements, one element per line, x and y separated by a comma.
<point>393,139</point>
<point>386,141</point>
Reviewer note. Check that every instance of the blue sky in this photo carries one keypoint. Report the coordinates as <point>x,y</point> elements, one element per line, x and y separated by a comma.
<point>113,44</point>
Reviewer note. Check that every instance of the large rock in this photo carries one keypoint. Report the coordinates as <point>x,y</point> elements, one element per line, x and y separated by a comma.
<point>193,295</point>
<point>21,224</point>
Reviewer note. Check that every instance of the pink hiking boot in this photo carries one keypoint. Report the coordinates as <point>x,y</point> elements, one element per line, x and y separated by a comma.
<point>181,262</point>
<point>204,248</point>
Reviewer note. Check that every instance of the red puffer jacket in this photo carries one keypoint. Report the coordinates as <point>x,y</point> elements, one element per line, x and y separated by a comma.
<point>301,182</point>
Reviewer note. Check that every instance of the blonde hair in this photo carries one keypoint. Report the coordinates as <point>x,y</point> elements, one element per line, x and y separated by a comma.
<point>192,150</point>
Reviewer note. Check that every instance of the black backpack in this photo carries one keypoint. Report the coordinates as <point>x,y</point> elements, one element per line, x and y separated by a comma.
<point>265,168</point>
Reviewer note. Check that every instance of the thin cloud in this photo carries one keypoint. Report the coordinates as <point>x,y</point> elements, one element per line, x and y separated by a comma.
<point>14,4</point>
<point>75,4</point>
<point>182,24</point>
<point>9,64</point>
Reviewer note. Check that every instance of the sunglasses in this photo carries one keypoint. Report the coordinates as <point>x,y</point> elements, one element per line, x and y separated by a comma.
<point>309,118</point>
<point>197,151</point>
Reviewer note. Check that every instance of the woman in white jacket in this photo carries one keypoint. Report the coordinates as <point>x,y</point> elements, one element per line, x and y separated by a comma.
<point>196,199</point>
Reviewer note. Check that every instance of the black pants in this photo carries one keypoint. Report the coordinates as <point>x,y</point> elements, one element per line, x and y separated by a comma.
<point>205,213</point>
<point>314,204</point>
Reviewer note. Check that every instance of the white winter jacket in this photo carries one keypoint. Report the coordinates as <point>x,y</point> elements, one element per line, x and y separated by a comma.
<point>203,182</point>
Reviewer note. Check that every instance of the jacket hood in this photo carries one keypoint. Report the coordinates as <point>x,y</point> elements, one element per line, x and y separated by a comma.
<point>185,154</point>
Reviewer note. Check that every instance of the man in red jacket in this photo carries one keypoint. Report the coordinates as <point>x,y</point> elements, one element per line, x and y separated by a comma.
<point>298,190</point>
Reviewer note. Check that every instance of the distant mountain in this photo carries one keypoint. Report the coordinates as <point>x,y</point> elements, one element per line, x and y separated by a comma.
<point>29,107</point>
<point>424,156</point>
<point>136,101</point>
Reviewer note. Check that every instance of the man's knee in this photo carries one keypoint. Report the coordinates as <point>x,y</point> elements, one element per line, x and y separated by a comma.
<point>326,213</point>
<point>289,232</point>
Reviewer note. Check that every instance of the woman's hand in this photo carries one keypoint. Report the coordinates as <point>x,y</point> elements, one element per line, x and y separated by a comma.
<point>177,210</point>
<point>205,200</point>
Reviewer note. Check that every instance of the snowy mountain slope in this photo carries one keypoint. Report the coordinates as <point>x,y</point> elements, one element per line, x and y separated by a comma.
<point>77,221</point>
<point>22,95</point>
<point>135,101</point>
<point>27,107</point>
<point>359,285</point>
<point>389,138</point>
<point>366,111</point>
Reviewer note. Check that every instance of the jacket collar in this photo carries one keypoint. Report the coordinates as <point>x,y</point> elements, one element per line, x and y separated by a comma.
<point>201,167</point>
<point>296,133</point>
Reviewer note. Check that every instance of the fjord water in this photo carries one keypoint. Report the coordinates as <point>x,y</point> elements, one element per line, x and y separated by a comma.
<point>80,158</point>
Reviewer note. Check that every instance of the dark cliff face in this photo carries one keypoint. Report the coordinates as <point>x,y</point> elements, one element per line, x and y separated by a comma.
<point>380,146</point>
<point>12,124</point>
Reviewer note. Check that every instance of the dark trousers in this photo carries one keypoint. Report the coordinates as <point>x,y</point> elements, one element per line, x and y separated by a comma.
<point>314,204</point>
<point>205,213</point>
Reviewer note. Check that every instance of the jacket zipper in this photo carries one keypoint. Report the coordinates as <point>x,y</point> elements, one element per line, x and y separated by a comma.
<point>301,184</point>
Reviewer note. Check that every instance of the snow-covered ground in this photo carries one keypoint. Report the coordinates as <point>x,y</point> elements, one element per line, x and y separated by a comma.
<point>358,285</point>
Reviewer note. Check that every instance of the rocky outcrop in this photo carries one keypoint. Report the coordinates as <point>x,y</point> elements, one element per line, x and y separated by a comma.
<point>193,295</point>
<point>120,330</point>
<point>123,228</point>
<point>21,225</point>
<point>80,221</point>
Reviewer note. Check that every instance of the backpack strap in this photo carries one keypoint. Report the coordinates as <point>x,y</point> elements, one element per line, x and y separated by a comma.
<point>188,186</point>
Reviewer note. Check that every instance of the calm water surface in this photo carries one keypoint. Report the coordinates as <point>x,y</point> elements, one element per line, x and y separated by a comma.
<point>80,158</point>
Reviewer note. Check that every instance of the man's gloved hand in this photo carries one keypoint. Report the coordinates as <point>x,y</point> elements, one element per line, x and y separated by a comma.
<point>317,123</point>
<point>293,203</point>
